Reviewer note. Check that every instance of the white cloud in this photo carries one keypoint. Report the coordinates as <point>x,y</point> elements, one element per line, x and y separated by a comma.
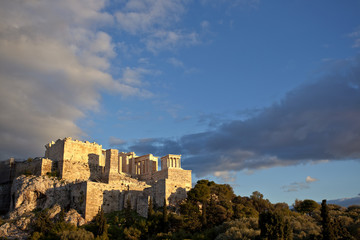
<point>297,186</point>
<point>356,36</point>
<point>53,62</point>
<point>144,15</point>
<point>155,22</point>
<point>225,176</point>
<point>175,62</point>
<point>205,24</point>
<point>310,179</point>
<point>167,40</point>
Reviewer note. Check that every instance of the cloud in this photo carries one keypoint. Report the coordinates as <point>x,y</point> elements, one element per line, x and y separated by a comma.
<point>314,122</point>
<point>226,176</point>
<point>114,141</point>
<point>170,39</point>
<point>233,3</point>
<point>297,186</point>
<point>356,36</point>
<point>175,62</point>
<point>310,179</point>
<point>155,22</point>
<point>139,16</point>
<point>54,60</point>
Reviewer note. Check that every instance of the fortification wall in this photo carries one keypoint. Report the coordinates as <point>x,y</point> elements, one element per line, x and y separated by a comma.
<point>112,166</point>
<point>176,185</point>
<point>5,193</point>
<point>78,197</point>
<point>32,167</point>
<point>84,152</point>
<point>5,171</point>
<point>169,183</point>
<point>112,197</point>
<point>46,166</point>
<point>55,150</point>
<point>81,160</point>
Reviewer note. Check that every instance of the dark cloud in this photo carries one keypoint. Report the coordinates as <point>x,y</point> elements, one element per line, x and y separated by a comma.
<point>314,122</point>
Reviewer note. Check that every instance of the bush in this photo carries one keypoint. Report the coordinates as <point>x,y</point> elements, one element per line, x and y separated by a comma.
<point>79,234</point>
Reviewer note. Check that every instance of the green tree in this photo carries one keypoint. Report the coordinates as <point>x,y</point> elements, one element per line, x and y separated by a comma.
<point>327,229</point>
<point>100,223</point>
<point>273,226</point>
<point>150,208</point>
<point>129,220</point>
<point>201,192</point>
<point>307,206</point>
<point>165,216</point>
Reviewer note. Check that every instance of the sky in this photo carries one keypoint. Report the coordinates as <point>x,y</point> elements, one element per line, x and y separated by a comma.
<point>262,95</point>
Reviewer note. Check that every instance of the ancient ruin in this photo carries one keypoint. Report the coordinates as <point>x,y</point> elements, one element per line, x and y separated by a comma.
<point>83,176</point>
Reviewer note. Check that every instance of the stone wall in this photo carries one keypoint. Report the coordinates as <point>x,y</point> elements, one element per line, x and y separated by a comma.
<point>5,196</point>
<point>169,183</point>
<point>81,160</point>
<point>113,197</point>
<point>176,185</point>
<point>55,150</point>
<point>33,167</point>
<point>78,197</point>
<point>46,166</point>
<point>5,171</point>
<point>112,165</point>
<point>5,190</point>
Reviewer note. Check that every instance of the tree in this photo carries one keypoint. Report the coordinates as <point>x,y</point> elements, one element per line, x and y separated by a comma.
<point>307,206</point>
<point>100,223</point>
<point>273,226</point>
<point>165,216</point>
<point>327,230</point>
<point>150,209</point>
<point>129,220</point>
<point>201,193</point>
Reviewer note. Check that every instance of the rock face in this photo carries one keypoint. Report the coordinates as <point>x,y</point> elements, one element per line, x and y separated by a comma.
<point>19,227</point>
<point>74,218</point>
<point>30,193</point>
<point>10,231</point>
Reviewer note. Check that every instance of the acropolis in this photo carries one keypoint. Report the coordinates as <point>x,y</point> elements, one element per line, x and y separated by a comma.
<point>90,177</point>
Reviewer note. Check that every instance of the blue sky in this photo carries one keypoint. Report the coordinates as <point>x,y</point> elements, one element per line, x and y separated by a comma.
<point>263,95</point>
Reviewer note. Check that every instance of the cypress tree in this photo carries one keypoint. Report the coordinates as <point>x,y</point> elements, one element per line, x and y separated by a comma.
<point>203,216</point>
<point>128,215</point>
<point>165,212</point>
<point>327,230</point>
<point>101,224</point>
<point>150,208</point>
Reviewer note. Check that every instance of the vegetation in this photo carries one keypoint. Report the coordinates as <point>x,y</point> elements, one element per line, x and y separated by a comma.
<point>213,211</point>
<point>53,174</point>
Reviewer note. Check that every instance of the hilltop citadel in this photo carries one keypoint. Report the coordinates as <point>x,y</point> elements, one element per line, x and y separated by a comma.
<point>90,177</point>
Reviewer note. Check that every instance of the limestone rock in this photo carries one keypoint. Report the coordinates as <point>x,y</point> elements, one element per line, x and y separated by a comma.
<point>74,218</point>
<point>23,223</point>
<point>10,231</point>
<point>54,211</point>
<point>30,193</point>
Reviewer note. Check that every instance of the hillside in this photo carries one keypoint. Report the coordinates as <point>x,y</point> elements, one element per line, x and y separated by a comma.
<point>210,211</point>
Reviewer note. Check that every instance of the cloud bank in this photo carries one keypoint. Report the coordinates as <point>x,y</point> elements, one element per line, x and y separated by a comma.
<point>54,60</point>
<point>314,122</point>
